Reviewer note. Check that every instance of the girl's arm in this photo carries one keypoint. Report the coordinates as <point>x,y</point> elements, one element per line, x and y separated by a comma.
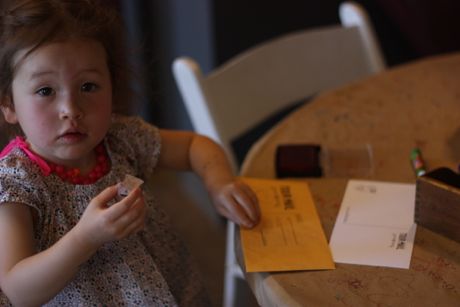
<point>30,279</point>
<point>183,150</point>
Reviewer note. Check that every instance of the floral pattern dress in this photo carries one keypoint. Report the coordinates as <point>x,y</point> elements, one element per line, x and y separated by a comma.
<point>150,268</point>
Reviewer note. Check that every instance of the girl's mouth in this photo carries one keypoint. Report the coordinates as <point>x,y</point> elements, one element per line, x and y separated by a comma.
<point>72,137</point>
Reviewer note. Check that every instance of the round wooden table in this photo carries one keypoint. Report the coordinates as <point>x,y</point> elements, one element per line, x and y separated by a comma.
<point>413,105</point>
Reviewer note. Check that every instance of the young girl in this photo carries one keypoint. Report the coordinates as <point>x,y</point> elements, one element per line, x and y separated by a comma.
<point>67,238</point>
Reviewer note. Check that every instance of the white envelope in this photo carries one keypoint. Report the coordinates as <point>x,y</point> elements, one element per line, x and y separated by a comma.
<point>375,224</point>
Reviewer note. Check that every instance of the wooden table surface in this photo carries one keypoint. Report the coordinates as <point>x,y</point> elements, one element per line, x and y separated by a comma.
<point>413,105</point>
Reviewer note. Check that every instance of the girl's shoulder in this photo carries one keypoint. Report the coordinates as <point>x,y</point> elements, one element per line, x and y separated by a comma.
<point>132,131</point>
<point>17,164</point>
<point>130,127</point>
<point>21,178</point>
<point>132,139</point>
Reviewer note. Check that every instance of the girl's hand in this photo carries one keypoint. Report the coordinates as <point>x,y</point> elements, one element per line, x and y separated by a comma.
<point>101,223</point>
<point>238,202</point>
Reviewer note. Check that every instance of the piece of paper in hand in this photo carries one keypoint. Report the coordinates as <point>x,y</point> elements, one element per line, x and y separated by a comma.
<point>129,183</point>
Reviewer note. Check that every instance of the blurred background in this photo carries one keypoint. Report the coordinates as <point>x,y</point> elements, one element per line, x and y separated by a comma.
<point>212,31</point>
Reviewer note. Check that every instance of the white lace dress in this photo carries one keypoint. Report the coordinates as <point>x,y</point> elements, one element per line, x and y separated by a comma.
<point>151,268</point>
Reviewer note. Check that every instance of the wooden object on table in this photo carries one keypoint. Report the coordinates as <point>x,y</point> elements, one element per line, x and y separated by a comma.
<point>437,204</point>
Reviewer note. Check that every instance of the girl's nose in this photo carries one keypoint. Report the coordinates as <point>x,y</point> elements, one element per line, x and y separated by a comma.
<point>70,109</point>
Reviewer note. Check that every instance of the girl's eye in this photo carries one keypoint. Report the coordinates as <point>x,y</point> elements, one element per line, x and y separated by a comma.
<point>89,87</point>
<point>45,91</point>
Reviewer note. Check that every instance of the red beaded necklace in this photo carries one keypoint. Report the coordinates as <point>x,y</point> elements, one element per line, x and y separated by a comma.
<point>73,175</point>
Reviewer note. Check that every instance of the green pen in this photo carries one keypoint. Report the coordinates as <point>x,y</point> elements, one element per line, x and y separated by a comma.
<point>417,162</point>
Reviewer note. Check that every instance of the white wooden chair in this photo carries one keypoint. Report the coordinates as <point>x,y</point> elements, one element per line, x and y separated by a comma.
<point>269,77</point>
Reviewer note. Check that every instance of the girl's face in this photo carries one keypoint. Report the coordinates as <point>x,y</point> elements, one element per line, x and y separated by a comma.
<point>62,99</point>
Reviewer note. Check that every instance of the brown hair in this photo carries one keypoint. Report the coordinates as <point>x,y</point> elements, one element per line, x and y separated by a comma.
<point>33,23</point>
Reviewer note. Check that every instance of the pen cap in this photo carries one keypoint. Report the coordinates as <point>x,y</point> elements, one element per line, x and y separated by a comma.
<point>298,160</point>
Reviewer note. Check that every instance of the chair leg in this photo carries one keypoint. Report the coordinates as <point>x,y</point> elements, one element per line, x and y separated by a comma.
<point>232,269</point>
<point>230,289</point>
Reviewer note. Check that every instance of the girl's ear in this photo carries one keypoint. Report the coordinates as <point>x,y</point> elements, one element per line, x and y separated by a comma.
<point>8,111</point>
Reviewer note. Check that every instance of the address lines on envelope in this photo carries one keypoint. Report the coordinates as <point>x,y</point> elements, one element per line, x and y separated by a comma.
<point>281,231</point>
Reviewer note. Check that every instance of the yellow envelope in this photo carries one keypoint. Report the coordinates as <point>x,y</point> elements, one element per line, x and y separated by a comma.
<point>289,236</point>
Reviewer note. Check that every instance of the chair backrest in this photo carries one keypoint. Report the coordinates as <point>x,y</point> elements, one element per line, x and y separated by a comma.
<point>268,77</point>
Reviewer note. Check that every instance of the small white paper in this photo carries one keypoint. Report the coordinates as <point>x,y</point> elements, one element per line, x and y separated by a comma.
<point>129,184</point>
<point>375,224</point>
